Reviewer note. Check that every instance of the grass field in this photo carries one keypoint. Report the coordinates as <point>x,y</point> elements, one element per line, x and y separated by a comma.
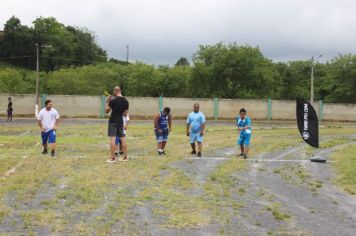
<point>78,192</point>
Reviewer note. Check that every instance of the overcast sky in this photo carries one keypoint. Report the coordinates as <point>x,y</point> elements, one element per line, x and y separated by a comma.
<point>162,31</point>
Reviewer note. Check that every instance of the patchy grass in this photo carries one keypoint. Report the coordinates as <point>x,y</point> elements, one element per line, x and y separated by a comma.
<point>79,193</point>
<point>276,212</point>
<point>345,166</point>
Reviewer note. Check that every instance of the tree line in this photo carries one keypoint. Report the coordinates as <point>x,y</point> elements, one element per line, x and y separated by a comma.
<point>220,70</point>
<point>59,45</point>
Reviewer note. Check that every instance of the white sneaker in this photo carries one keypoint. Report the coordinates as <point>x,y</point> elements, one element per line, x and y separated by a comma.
<point>112,160</point>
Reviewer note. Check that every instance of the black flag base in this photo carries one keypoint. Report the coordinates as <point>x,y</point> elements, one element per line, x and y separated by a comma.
<point>317,159</point>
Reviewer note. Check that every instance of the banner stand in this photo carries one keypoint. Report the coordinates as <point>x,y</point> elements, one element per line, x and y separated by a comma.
<point>317,159</point>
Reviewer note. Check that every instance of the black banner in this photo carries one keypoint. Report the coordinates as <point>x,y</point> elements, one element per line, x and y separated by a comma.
<point>307,123</point>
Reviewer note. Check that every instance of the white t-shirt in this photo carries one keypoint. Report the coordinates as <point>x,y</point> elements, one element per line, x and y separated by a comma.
<point>126,120</point>
<point>48,118</point>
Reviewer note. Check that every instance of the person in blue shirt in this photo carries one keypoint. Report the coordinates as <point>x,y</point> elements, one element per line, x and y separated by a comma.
<point>162,126</point>
<point>195,129</point>
<point>243,124</point>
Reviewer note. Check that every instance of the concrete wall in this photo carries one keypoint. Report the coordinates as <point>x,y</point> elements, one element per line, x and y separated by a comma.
<point>146,107</point>
<point>229,108</point>
<point>76,106</point>
<point>143,106</point>
<point>23,104</point>
<point>343,112</point>
<point>181,107</point>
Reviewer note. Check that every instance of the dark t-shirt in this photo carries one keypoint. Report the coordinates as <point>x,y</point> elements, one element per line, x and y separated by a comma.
<point>9,106</point>
<point>118,105</point>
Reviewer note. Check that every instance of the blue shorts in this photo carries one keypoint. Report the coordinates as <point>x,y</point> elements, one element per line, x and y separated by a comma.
<point>244,139</point>
<point>195,137</point>
<point>162,137</point>
<point>117,140</point>
<point>48,137</point>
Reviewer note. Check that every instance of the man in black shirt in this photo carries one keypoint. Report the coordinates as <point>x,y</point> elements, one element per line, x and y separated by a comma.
<point>118,105</point>
<point>9,110</point>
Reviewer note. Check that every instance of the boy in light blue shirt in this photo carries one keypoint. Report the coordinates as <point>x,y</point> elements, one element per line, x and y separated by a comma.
<point>195,129</point>
<point>243,123</point>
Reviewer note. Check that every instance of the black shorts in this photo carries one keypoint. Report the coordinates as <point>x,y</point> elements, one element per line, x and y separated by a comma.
<point>115,130</point>
<point>9,112</point>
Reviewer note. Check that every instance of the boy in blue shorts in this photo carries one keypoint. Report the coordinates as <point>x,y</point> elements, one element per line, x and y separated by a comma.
<point>195,129</point>
<point>162,126</point>
<point>243,123</point>
<point>48,121</point>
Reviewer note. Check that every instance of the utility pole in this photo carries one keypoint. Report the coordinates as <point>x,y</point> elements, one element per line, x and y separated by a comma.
<point>37,77</point>
<point>312,82</point>
<point>127,53</point>
<point>312,78</point>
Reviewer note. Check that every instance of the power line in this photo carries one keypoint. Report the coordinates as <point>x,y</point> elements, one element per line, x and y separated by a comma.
<point>16,57</point>
<point>70,59</point>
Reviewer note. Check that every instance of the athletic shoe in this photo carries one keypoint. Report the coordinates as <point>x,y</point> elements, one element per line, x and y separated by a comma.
<point>163,153</point>
<point>240,155</point>
<point>44,152</point>
<point>124,159</point>
<point>159,152</point>
<point>121,152</point>
<point>53,154</point>
<point>111,160</point>
<point>193,153</point>
<point>245,156</point>
<point>116,154</point>
<point>199,154</point>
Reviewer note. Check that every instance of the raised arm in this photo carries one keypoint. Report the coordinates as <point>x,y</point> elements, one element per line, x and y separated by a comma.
<point>107,107</point>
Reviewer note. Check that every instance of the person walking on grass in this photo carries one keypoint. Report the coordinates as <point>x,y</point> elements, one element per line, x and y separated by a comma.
<point>118,105</point>
<point>48,121</point>
<point>9,110</point>
<point>244,126</point>
<point>162,127</point>
<point>126,120</point>
<point>195,129</point>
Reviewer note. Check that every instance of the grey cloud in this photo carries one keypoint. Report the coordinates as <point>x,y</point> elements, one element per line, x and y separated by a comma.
<point>161,31</point>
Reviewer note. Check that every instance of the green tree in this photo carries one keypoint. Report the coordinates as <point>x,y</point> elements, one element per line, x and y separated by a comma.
<point>233,71</point>
<point>339,83</point>
<point>182,62</point>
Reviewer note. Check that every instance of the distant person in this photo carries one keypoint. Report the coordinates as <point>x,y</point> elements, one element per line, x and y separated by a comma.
<point>48,121</point>
<point>118,105</point>
<point>243,123</point>
<point>162,127</point>
<point>126,120</point>
<point>9,110</point>
<point>195,129</point>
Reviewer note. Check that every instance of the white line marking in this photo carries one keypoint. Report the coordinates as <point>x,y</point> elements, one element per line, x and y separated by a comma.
<point>273,160</point>
<point>206,158</point>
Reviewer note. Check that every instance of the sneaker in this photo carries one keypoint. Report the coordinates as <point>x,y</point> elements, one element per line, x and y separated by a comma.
<point>53,154</point>
<point>240,155</point>
<point>159,152</point>
<point>193,153</point>
<point>116,154</point>
<point>121,153</point>
<point>111,160</point>
<point>44,152</point>
<point>124,159</point>
<point>245,156</point>
<point>163,153</point>
<point>199,154</point>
